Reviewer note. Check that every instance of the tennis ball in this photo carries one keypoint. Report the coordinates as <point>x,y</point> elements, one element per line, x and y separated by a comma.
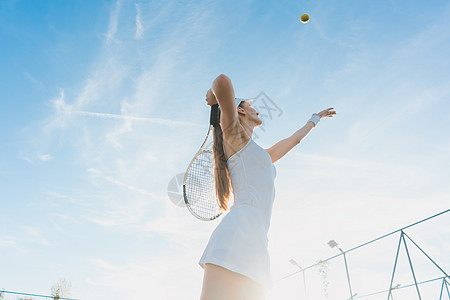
<point>304,18</point>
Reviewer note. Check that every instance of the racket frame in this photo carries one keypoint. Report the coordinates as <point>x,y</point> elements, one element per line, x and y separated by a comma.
<point>213,121</point>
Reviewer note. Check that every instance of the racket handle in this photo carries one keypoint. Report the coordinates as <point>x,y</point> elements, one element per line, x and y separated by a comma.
<point>215,115</point>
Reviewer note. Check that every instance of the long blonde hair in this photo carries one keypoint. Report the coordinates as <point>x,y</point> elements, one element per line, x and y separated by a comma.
<point>221,173</point>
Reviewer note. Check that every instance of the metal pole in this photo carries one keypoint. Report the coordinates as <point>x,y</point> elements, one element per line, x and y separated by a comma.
<point>411,266</point>
<point>442,289</point>
<point>446,287</point>
<point>304,283</point>
<point>292,261</point>
<point>348,275</point>
<point>426,255</point>
<point>395,266</point>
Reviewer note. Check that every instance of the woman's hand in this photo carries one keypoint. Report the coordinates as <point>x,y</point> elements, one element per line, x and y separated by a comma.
<point>326,113</point>
<point>210,98</point>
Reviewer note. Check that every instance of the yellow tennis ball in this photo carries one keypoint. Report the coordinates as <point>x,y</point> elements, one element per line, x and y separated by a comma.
<point>304,18</point>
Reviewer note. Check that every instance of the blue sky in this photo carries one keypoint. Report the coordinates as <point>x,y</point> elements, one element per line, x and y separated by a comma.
<point>103,104</point>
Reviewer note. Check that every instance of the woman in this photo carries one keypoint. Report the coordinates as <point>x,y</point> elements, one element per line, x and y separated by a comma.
<point>236,260</point>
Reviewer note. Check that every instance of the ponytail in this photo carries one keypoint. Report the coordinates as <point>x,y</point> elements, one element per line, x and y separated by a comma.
<point>221,173</point>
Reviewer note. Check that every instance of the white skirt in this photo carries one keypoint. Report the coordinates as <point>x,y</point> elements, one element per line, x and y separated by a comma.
<point>239,244</point>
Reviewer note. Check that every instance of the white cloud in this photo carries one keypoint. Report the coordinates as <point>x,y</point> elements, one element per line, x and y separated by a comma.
<point>45,157</point>
<point>37,84</point>
<point>139,27</point>
<point>149,276</point>
<point>40,158</point>
<point>25,236</point>
<point>25,158</point>
<point>125,185</point>
<point>101,263</point>
<point>113,21</point>
<point>5,242</point>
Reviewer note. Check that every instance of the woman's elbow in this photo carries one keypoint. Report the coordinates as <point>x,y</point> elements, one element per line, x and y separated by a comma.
<point>222,79</point>
<point>221,84</point>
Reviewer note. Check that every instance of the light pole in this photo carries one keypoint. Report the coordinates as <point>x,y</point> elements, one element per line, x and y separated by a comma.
<point>333,244</point>
<point>292,261</point>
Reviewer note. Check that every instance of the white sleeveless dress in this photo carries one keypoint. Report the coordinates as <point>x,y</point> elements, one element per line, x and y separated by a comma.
<point>239,243</point>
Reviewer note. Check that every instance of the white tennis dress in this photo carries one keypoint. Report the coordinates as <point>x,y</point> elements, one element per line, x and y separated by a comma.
<point>239,243</point>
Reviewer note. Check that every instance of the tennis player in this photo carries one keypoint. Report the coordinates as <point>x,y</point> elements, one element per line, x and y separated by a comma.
<point>236,259</point>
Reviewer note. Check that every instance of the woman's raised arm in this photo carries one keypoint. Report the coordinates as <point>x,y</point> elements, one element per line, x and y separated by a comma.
<point>224,92</point>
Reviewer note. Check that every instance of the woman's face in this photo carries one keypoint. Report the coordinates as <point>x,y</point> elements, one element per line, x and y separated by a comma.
<point>250,113</point>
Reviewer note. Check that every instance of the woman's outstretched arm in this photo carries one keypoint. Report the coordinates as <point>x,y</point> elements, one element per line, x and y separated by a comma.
<point>280,149</point>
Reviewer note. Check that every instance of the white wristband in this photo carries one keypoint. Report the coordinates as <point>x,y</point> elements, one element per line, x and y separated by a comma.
<point>315,119</point>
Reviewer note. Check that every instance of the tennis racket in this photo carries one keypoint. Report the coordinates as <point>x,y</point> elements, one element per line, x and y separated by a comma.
<point>199,188</point>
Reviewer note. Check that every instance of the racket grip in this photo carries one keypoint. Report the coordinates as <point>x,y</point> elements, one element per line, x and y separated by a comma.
<point>215,115</point>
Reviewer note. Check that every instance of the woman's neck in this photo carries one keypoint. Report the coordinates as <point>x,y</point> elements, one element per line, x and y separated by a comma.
<point>247,128</point>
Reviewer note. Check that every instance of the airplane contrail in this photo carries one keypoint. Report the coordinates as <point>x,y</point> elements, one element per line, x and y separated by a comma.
<point>127,186</point>
<point>122,117</point>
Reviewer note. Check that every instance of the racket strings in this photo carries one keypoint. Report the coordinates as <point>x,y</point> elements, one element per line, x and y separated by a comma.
<point>200,187</point>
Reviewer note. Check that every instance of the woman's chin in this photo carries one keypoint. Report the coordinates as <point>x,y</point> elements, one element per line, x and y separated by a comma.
<point>258,123</point>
